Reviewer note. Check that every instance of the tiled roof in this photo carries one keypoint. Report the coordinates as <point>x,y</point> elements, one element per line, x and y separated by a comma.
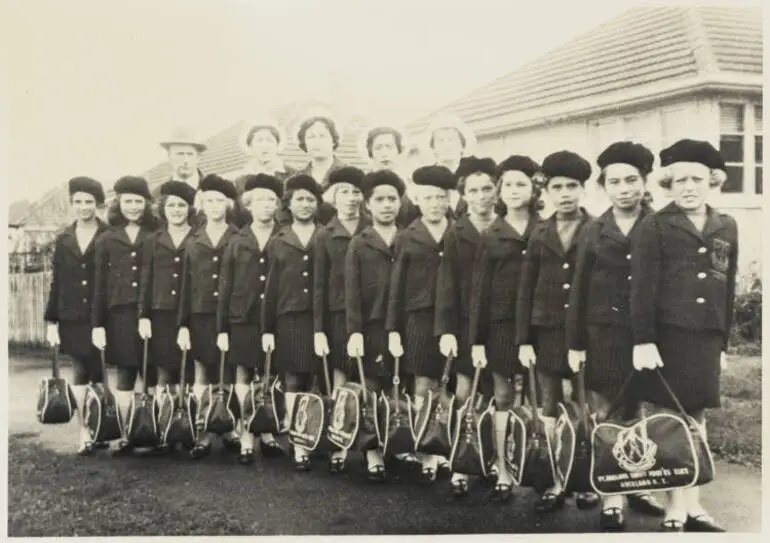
<point>641,46</point>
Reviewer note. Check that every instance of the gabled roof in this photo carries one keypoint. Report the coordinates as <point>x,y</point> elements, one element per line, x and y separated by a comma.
<point>640,48</point>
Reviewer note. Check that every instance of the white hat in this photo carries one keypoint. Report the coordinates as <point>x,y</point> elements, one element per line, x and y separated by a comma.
<point>260,122</point>
<point>450,120</point>
<point>361,144</point>
<point>183,136</point>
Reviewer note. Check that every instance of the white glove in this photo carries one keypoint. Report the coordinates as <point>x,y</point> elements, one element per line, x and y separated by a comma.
<point>183,339</point>
<point>576,359</point>
<point>99,338</point>
<point>145,329</point>
<point>527,355</point>
<point>52,335</point>
<point>479,356</point>
<point>356,345</point>
<point>268,342</point>
<point>723,361</point>
<point>320,344</point>
<point>647,357</point>
<point>448,345</point>
<point>394,345</point>
<point>223,342</point>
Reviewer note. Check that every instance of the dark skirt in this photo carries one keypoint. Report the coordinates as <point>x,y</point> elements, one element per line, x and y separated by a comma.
<point>377,360</point>
<point>246,347</point>
<point>294,352</point>
<point>502,351</point>
<point>124,346</point>
<point>463,364</point>
<point>337,335</point>
<point>75,340</point>
<point>608,359</point>
<point>691,366</point>
<point>163,348</point>
<point>203,339</point>
<point>422,356</point>
<point>551,350</point>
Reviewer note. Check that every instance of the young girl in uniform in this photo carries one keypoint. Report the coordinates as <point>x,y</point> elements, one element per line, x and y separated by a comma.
<point>114,313</point>
<point>455,277</point>
<point>411,306</point>
<point>598,321</point>
<point>493,298</point>
<point>683,272</point>
<point>331,244</point>
<point>241,291</point>
<point>161,280</point>
<point>543,296</point>
<point>200,295</point>
<point>68,312</point>
<point>367,277</point>
<point>287,310</point>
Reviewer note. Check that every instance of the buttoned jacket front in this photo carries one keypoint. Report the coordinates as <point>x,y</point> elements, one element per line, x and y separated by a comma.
<point>160,284</point>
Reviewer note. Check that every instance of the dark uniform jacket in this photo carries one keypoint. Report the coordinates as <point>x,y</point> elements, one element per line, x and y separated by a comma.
<point>289,285</point>
<point>415,273</point>
<point>242,280</point>
<point>368,266</point>
<point>331,245</point>
<point>500,261</point>
<point>160,285</point>
<point>200,274</point>
<point>601,292</point>
<point>118,263</point>
<point>546,278</point>
<point>683,277</point>
<point>72,282</point>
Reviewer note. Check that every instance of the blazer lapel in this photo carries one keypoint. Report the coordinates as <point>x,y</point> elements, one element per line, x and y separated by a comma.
<point>374,241</point>
<point>466,230</point>
<point>551,237</point>
<point>290,238</point>
<point>164,240</point>
<point>714,223</point>
<point>421,235</point>
<point>70,242</point>
<point>584,217</point>
<point>610,228</point>
<point>678,219</point>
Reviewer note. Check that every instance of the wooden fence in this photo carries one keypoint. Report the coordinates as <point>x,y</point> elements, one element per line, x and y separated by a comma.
<point>27,297</point>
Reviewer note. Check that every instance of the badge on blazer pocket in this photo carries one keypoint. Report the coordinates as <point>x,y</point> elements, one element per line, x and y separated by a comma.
<point>720,255</point>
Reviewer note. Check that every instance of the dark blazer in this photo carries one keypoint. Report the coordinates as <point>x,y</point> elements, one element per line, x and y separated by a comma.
<point>415,271</point>
<point>118,263</point>
<point>455,276</point>
<point>683,277</point>
<point>601,292</point>
<point>368,265</point>
<point>242,280</point>
<point>200,274</point>
<point>546,278</point>
<point>289,282</point>
<point>72,281</point>
<point>500,261</point>
<point>331,245</point>
<point>160,285</point>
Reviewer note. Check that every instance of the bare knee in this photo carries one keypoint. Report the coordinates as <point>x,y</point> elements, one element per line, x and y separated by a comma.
<point>463,387</point>
<point>422,385</point>
<point>243,375</point>
<point>551,393</point>
<point>503,390</point>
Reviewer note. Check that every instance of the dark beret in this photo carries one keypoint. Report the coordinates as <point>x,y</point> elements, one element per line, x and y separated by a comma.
<point>215,182</point>
<point>263,181</point>
<point>179,189</point>
<point>688,150</point>
<point>304,182</point>
<point>518,163</point>
<point>627,152</point>
<point>567,164</point>
<point>436,176</point>
<point>377,178</point>
<point>347,174</point>
<point>130,184</point>
<point>472,164</point>
<point>87,185</point>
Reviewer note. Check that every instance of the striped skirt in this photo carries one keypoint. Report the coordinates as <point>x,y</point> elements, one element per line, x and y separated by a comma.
<point>337,335</point>
<point>246,347</point>
<point>608,359</point>
<point>294,351</point>
<point>551,350</point>
<point>421,353</point>
<point>203,339</point>
<point>501,349</point>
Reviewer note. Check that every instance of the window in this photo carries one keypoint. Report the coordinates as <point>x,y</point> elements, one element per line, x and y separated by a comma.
<point>758,149</point>
<point>731,130</point>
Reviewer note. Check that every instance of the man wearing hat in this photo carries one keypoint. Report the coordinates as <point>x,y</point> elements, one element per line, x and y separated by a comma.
<point>262,140</point>
<point>184,151</point>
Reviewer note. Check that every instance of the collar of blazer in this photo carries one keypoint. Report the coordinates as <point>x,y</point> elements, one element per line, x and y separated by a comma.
<point>374,240</point>
<point>465,229</point>
<point>202,238</point>
<point>287,235</point>
<point>163,239</point>
<point>420,234</point>
<point>70,240</point>
<point>502,229</point>
<point>338,231</point>
<point>677,217</point>
<point>551,236</point>
<point>247,238</point>
<point>609,226</point>
<point>119,234</point>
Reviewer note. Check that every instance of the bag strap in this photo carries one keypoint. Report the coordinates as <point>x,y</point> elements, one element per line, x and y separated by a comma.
<point>182,384</point>
<point>326,376</point>
<point>222,369</point>
<point>445,375</point>
<point>55,362</point>
<point>144,367</point>
<point>621,397</point>
<point>396,379</point>
<point>673,396</point>
<point>581,394</point>
<point>474,388</point>
<point>360,364</point>
<point>103,362</point>
<point>533,399</point>
<point>268,364</point>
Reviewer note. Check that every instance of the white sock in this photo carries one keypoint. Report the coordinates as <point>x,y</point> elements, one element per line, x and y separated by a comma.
<point>123,399</point>
<point>374,458</point>
<point>247,438</point>
<point>290,398</point>
<point>550,428</point>
<point>79,391</point>
<point>501,424</point>
<point>198,391</point>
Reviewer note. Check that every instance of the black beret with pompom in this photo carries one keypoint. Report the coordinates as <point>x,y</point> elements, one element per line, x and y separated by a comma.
<point>303,181</point>
<point>347,174</point>
<point>688,150</point>
<point>472,164</point>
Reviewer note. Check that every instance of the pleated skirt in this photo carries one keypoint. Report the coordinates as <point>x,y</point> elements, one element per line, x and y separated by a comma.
<point>163,348</point>
<point>609,359</point>
<point>421,352</point>
<point>75,337</point>
<point>246,347</point>
<point>377,360</point>
<point>203,339</point>
<point>124,346</point>
<point>502,351</point>
<point>551,350</point>
<point>294,351</point>
<point>337,335</point>
<point>463,364</point>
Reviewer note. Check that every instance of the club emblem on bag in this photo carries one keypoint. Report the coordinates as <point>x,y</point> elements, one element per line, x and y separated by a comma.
<point>720,255</point>
<point>510,448</point>
<point>301,420</point>
<point>634,451</point>
<point>338,419</point>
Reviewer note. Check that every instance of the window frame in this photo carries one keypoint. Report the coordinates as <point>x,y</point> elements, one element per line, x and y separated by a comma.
<point>749,163</point>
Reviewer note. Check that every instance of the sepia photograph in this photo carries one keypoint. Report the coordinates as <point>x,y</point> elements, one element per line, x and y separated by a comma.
<point>383,269</point>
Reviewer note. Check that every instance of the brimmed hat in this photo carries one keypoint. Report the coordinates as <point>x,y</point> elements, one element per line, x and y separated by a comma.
<point>87,185</point>
<point>259,123</point>
<point>384,127</point>
<point>215,182</point>
<point>179,189</point>
<point>183,136</point>
<point>627,152</point>
<point>449,120</point>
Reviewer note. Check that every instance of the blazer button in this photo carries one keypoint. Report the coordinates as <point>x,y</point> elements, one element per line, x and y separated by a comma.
<point>216,293</point>
<point>133,284</point>
<point>566,306</point>
<point>84,282</point>
<point>261,260</point>
<point>175,275</point>
<point>261,296</point>
<point>565,286</point>
<point>214,276</point>
<point>702,250</point>
<point>700,300</point>
<point>441,253</point>
<point>565,266</point>
<point>304,290</point>
<point>701,275</point>
<point>628,257</point>
<point>83,266</point>
<point>134,268</point>
<point>216,258</point>
<point>176,259</point>
<point>85,300</point>
<point>173,293</point>
<point>304,274</point>
<point>523,251</point>
<point>305,257</point>
<point>629,278</point>
<point>262,278</point>
<point>133,254</point>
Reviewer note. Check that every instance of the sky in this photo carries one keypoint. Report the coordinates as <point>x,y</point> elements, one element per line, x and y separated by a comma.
<point>93,85</point>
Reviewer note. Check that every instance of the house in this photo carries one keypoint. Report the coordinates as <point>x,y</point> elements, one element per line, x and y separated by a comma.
<point>654,74</point>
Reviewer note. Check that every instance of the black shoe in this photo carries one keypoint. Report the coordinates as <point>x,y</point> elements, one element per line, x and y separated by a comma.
<point>550,502</point>
<point>246,457</point>
<point>612,520</point>
<point>271,449</point>
<point>702,523</point>
<point>302,463</point>
<point>124,448</point>
<point>200,451</point>
<point>376,474</point>
<point>586,500</point>
<point>428,475</point>
<point>502,493</point>
<point>672,525</point>
<point>337,465</point>
<point>232,445</point>
<point>86,448</point>
<point>646,504</point>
